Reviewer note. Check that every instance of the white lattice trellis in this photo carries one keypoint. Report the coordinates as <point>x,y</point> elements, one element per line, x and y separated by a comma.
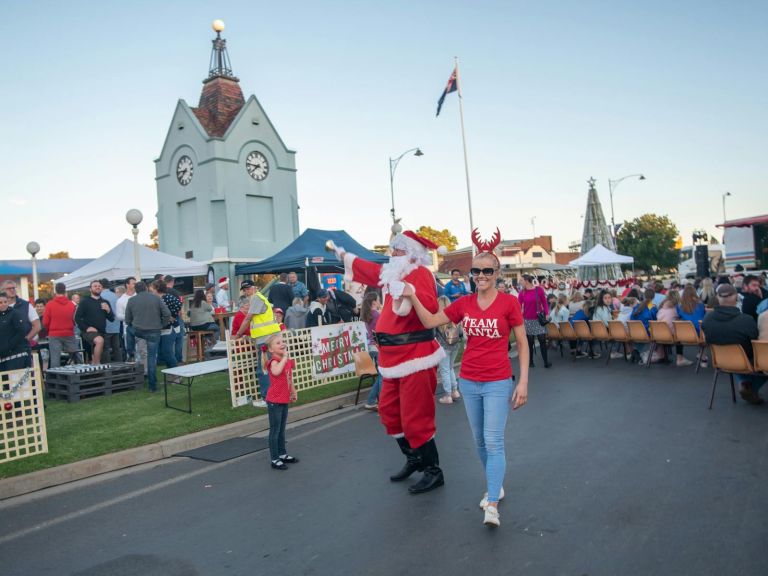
<point>22,415</point>
<point>243,381</point>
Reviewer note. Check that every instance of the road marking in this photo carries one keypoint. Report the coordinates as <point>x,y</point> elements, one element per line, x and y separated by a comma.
<point>159,486</point>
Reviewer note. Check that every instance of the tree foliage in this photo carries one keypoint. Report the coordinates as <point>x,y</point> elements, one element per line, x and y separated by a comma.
<point>63,255</point>
<point>439,237</point>
<point>650,240</point>
<point>155,243</point>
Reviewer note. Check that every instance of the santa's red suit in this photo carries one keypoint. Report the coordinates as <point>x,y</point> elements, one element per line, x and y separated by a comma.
<point>408,359</point>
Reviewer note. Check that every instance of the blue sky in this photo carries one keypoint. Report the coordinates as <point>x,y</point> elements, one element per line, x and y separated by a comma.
<point>554,92</point>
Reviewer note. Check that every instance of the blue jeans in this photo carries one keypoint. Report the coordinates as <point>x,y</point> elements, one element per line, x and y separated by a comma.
<point>487,406</point>
<point>373,395</point>
<point>260,374</point>
<point>178,342</point>
<point>278,416</point>
<point>167,354</point>
<point>445,368</point>
<point>152,338</point>
<point>130,341</point>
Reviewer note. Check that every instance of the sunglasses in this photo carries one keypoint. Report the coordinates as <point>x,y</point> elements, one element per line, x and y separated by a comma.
<point>483,271</point>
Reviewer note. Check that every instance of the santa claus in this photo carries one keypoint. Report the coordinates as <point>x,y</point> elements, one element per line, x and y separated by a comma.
<point>408,353</point>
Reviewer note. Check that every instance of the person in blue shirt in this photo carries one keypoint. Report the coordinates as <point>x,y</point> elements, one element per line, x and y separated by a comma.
<point>299,288</point>
<point>645,311</point>
<point>455,289</point>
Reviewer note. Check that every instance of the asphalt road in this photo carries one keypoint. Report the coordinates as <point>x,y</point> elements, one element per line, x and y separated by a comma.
<point>613,470</point>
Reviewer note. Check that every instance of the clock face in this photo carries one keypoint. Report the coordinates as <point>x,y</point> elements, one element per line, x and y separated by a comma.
<point>257,166</point>
<point>184,170</point>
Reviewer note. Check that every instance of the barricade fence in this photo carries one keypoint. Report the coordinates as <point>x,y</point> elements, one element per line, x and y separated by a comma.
<point>321,356</point>
<point>22,413</point>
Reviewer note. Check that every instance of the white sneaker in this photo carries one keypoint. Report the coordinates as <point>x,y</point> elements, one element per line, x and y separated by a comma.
<point>491,517</point>
<point>259,404</point>
<point>615,355</point>
<point>484,501</point>
<point>683,362</point>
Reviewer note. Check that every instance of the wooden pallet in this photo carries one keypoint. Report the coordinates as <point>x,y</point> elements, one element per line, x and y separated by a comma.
<point>74,386</point>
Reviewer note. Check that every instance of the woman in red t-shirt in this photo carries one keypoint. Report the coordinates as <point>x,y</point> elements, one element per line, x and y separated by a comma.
<point>280,393</point>
<point>485,380</point>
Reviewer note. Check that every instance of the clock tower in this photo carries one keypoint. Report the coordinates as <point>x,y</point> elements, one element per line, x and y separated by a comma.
<point>226,182</point>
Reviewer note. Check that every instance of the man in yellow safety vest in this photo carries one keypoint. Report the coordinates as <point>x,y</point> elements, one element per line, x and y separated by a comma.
<point>260,321</point>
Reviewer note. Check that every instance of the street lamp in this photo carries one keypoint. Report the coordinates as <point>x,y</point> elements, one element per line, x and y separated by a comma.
<point>612,184</point>
<point>392,167</point>
<point>724,196</point>
<point>33,248</point>
<point>134,218</point>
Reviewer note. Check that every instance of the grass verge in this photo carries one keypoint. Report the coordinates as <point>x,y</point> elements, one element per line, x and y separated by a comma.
<point>125,420</point>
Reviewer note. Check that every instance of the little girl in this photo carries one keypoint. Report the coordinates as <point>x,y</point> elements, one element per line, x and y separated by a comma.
<point>280,393</point>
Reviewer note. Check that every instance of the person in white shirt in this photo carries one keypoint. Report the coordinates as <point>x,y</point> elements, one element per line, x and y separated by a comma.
<point>222,294</point>
<point>122,304</point>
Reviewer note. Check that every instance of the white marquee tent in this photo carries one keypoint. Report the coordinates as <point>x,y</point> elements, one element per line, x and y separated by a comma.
<point>118,264</point>
<point>599,256</point>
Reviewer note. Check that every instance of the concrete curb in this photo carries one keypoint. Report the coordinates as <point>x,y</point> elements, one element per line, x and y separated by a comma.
<point>34,481</point>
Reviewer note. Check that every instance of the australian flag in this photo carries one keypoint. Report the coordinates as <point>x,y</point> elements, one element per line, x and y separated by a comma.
<point>452,86</point>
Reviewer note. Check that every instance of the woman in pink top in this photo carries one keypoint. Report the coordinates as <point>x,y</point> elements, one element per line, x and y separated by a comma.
<point>533,300</point>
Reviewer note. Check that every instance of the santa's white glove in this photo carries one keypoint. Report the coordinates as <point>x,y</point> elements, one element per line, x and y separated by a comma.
<point>396,288</point>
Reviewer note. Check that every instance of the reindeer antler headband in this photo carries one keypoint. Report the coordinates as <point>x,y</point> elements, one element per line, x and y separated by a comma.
<point>486,245</point>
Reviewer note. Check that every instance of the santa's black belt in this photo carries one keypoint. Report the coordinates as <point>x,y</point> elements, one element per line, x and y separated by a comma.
<point>405,338</point>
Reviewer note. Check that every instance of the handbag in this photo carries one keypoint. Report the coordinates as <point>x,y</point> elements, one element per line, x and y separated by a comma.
<point>543,320</point>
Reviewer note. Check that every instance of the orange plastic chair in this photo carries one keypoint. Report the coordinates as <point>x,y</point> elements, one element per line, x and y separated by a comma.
<point>685,333</point>
<point>638,334</point>
<point>619,335</point>
<point>661,334</point>
<point>760,355</point>
<point>731,359</point>
<point>568,334</point>
<point>553,335</point>
<point>365,367</point>
<point>600,334</point>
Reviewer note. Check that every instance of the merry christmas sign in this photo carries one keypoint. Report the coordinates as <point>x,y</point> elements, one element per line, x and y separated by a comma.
<point>333,346</point>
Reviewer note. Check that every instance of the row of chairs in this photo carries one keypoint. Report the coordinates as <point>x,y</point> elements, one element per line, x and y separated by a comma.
<point>616,333</point>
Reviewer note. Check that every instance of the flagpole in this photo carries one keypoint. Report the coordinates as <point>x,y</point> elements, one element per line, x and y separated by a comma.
<point>464,142</point>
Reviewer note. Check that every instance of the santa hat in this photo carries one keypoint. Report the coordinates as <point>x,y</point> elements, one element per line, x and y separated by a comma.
<point>415,246</point>
<point>223,281</point>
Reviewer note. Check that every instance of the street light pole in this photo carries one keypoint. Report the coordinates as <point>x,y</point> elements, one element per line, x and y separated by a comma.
<point>33,248</point>
<point>612,185</point>
<point>392,167</point>
<point>134,218</point>
<point>724,196</point>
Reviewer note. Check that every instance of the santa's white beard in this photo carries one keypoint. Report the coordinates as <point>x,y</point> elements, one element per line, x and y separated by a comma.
<point>396,269</point>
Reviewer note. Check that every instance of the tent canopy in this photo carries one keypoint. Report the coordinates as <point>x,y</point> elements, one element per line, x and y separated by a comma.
<point>599,256</point>
<point>308,250</point>
<point>118,264</point>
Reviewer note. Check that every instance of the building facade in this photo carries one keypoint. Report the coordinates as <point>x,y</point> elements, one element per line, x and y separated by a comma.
<point>226,181</point>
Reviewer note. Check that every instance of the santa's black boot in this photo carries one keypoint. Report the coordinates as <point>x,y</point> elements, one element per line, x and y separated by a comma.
<point>412,463</point>
<point>433,476</point>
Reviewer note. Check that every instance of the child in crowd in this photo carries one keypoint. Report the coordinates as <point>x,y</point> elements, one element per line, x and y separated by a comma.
<point>278,312</point>
<point>280,393</point>
<point>449,337</point>
<point>370,310</point>
<point>242,312</point>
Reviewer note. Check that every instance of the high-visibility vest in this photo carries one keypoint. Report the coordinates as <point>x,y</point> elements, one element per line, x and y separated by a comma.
<point>264,324</point>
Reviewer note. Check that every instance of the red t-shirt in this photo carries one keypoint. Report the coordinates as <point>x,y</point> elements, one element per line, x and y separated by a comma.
<point>485,355</point>
<point>279,390</point>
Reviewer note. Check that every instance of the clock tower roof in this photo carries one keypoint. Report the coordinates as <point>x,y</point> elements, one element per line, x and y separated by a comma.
<point>221,99</point>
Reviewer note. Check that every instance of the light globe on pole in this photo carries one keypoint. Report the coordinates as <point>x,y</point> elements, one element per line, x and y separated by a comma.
<point>393,162</point>
<point>134,218</point>
<point>33,248</point>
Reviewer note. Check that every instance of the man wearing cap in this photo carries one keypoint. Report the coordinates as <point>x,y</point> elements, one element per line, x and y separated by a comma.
<point>726,324</point>
<point>408,353</point>
<point>260,323</point>
<point>222,294</point>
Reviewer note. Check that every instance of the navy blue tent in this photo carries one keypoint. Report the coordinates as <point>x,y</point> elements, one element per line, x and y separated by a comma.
<point>308,251</point>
